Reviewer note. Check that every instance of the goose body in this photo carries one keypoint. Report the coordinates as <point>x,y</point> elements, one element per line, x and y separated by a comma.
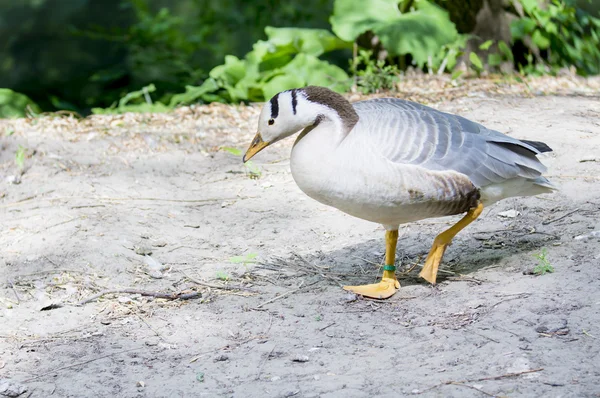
<point>392,161</point>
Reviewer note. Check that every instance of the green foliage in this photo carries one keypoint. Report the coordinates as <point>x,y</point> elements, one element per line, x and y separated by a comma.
<point>159,52</point>
<point>14,104</point>
<point>373,76</point>
<point>544,265</point>
<point>135,101</point>
<point>287,59</point>
<point>420,32</point>
<point>85,54</point>
<point>156,54</point>
<point>558,35</point>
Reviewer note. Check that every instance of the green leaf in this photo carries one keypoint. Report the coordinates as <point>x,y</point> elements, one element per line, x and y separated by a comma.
<point>136,94</point>
<point>474,58</point>
<point>351,18</point>
<point>310,41</point>
<point>541,41</point>
<point>231,72</point>
<point>505,50</point>
<point>314,71</point>
<point>456,74</point>
<point>420,33</point>
<point>486,45</point>
<point>529,5</point>
<point>13,104</point>
<point>520,28</point>
<point>233,151</point>
<point>193,93</point>
<point>282,83</point>
<point>494,59</point>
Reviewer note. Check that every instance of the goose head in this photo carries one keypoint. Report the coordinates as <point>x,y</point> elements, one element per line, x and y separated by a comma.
<point>292,111</point>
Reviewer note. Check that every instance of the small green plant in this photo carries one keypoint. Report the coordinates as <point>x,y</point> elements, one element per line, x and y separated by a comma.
<point>371,75</point>
<point>544,265</point>
<point>253,170</point>
<point>20,157</point>
<point>249,258</point>
<point>222,276</point>
<point>318,318</point>
<point>9,131</point>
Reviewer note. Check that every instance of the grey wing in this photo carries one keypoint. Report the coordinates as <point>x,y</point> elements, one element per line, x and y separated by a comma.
<point>411,133</point>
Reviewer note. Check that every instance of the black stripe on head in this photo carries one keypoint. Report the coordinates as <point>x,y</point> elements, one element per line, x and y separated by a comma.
<point>275,106</point>
<point>294,101</point>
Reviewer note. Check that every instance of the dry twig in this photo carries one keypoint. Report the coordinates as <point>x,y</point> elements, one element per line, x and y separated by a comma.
<point>285,294</point>
<point>77,364</point>
<point>222,287</point>
<point>559,218</point>
<point>462,382</point>
<point>167,296</point>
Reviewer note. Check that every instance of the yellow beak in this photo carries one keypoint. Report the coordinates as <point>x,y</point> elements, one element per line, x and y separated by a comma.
<point>255,147</point>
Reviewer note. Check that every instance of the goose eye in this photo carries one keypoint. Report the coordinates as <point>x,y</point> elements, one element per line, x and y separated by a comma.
<point>271,121</point>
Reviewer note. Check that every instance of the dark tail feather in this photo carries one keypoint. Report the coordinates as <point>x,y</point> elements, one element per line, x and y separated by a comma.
<point>540,146</point>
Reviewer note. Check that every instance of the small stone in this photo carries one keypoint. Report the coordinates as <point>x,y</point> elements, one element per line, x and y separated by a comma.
<point>13,180</point>
<point>300,358</point>
<point>509,214</point>
<point>350,297</point>
<point>221,358</point>
<point>140,384</point>
<point>9,388</point>
<point>124,299</point>
<point>142,250</point>
<point>542,329</point>
<point>155,274</point>
<point>275,378</point>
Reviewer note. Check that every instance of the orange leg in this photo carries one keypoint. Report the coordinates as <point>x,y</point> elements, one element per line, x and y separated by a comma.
<point>430,269</point>
<point>388,284</point>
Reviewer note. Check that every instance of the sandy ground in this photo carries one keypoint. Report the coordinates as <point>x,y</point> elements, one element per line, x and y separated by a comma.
<point>128,203</point>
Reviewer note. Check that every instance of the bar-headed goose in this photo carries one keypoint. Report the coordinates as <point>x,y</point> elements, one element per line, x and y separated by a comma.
<point>392,161</point>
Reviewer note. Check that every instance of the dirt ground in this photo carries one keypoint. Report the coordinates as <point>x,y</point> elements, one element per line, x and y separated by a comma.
<point>149,204</point>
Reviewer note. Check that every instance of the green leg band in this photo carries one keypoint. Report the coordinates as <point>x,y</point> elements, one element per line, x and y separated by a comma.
<point>389,268</point>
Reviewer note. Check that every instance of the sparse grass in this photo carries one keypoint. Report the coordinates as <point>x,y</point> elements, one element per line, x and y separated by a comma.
<point>20,157</point>
<point>544,265</point>
<point>252,170</point>
<point>222,276</point>
<point>245,260</point>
